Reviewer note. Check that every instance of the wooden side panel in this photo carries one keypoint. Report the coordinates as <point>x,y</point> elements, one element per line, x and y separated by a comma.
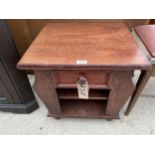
<point>121,89</point>
<point>45,88</point>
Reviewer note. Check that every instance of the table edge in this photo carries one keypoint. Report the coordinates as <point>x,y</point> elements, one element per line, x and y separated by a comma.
<point>86,67</point>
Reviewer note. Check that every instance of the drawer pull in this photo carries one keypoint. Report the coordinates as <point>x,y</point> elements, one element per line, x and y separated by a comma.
<point>83,88</point>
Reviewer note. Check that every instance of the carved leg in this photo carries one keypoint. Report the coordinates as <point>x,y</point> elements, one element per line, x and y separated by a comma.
<point>144,77</point>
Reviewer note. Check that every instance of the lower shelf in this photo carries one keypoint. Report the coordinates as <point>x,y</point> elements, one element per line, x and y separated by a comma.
<point>83,108</point>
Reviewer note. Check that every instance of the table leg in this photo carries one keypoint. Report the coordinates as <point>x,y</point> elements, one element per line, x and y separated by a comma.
<point>153,72</point>
<point>143,79</point>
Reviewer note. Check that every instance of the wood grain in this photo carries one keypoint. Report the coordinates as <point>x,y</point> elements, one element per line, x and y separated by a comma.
<point>112,56</point>
<point>20,33</point>
<point>60,45</point>
<point>68,77</point>
<point>45,88</point>
<point>25,30</point>
<point>121,88</point>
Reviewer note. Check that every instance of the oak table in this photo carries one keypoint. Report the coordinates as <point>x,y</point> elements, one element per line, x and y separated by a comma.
<point>84,69</point>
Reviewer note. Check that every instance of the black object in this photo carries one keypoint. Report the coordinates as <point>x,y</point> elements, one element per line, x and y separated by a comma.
<point>16,94</point>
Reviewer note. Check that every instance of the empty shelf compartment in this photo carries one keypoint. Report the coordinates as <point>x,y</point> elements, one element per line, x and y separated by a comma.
<point>94,94</point>
<point>83,108</point>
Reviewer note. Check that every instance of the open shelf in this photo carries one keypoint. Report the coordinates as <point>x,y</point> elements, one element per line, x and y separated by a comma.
<point>73,94</point>
<point>72,106</point>
<point>83,108</point>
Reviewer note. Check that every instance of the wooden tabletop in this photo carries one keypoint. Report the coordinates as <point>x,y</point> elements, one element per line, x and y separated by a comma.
<point>81,44</point>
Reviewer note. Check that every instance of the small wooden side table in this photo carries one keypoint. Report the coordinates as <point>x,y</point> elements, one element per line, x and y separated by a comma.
<point>93,59</point>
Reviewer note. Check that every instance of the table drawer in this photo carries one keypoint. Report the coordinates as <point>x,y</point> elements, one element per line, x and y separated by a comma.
<point>71,77</point>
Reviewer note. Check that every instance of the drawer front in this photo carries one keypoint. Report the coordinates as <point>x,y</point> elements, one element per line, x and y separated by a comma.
<point>71,77</point>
